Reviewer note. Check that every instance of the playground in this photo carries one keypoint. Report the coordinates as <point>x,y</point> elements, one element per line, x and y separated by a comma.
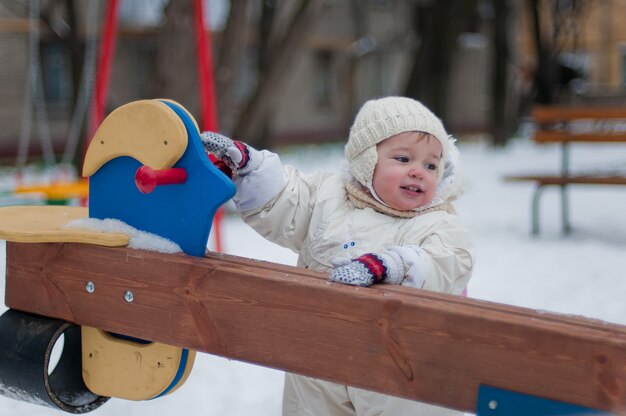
<point>111,297</point>
<point>579,275</point>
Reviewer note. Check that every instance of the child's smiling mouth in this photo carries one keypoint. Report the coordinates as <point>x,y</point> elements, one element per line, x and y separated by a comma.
<point>411,188</point>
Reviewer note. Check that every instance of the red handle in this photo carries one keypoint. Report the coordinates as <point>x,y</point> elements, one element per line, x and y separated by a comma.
<point>147,178</point>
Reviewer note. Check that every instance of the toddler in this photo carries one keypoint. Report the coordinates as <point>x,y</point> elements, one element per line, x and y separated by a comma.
<point>389,220</point>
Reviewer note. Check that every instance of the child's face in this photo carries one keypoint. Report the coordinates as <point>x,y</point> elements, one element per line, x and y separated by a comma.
<point>405,176</point>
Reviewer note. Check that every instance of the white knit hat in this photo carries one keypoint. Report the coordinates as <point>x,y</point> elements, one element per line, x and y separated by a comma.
<point>380,119</point>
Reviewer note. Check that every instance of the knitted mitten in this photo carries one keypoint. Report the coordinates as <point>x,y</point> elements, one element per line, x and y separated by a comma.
<point>240,157</point>
<point>368,269</point>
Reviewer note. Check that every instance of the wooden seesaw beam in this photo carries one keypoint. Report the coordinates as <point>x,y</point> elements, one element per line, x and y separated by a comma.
<point>415,344</point>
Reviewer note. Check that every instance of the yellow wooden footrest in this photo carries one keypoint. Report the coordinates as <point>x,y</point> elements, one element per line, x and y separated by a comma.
<point>126,369</point>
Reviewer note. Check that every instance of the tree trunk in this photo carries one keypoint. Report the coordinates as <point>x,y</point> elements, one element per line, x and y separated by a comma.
<point>500,120</point>
<point>544,74</point>
<point>266,43</point>
<point>349,91</point>
<point>175,74</point>
<point>250,122</point>
<point>75,49</point>
<point>231,51</point>
<point>438,24</point>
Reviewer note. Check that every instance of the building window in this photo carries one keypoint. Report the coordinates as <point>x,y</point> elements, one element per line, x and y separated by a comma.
<point>142,12</point>
<point>382,4</point>
<point>142,63</point>
<point>323,78</point>
<point>247,75</point>
<point>381,74</point>
<point>57,78</point>
<point>574,69</point>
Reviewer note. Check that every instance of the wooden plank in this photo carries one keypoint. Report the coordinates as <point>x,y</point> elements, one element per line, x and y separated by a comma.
<point>578,180</point>
<point>415,344</point>
<point>558,136</point>
<point>549,115</point>
<point>542,114</point>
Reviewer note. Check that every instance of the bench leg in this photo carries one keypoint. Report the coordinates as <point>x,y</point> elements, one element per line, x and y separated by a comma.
<point>535,210</point>
<point>564,201</point>
<point>565,210</point>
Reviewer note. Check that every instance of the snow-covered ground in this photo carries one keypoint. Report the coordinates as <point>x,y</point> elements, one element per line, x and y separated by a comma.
<point>582,274</point>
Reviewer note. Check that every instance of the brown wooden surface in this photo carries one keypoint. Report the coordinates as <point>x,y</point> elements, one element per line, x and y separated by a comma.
<point>416,344</point>
<point>548,132</point>
<point>578,180</point>
<point>550,136</point>
<point>543,114</point>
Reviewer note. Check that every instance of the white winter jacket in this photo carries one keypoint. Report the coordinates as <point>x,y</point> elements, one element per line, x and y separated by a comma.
<point>312,215</point>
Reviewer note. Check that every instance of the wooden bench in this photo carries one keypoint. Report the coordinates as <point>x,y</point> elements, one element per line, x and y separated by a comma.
<point>565,125</point>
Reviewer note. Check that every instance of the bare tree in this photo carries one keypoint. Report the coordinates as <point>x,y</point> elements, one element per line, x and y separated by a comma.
<point>175,75</point>
<point>175,71</point>
<point>503,117</point>
<point>282,47</point>
<point>63,23</point>
<point>438,25</point>
<point>554,23</point>
<point>232,48</point>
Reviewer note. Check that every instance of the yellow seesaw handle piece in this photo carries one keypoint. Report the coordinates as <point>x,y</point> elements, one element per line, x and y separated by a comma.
<point>146,130</point>
<point>44,224</point>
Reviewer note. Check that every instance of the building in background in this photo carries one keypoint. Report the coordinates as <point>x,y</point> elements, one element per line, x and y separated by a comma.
<point>348,58</point>
<point>588,39</point>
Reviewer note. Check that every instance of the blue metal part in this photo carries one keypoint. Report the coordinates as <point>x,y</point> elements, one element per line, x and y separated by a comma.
<point>493,401</point>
